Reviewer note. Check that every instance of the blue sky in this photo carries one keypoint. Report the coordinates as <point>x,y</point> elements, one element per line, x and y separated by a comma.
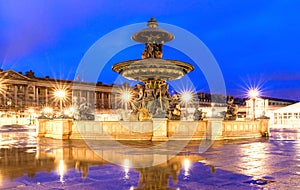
<point>256,43</point>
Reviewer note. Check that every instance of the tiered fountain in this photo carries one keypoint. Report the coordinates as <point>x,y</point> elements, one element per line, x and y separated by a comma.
<point>153,71</point>
<point>152,98</point>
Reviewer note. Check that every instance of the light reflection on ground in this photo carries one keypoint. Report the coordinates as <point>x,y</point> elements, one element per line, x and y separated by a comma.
<point>27,162</point>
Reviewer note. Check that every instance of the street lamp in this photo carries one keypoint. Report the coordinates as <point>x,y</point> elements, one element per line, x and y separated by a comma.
<point>253,94</point>
<point>186,97</point>
<point>126,97</point>
<point>60,94</point>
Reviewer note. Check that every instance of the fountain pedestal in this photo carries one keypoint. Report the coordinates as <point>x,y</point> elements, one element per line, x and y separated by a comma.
<point>214,129</point>
<point>41,129</point>
<point>160,129</point>
<point>57,128</point>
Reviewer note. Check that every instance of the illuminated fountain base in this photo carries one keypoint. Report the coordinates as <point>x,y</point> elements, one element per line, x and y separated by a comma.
<point>157,129</point>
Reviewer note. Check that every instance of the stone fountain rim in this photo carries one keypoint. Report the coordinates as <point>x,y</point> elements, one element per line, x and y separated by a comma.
<point>119,67</point>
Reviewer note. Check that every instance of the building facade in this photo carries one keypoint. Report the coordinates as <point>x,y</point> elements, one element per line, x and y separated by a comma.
<point>256,108</point>
<point>21,92</point>
<point>287,117</point>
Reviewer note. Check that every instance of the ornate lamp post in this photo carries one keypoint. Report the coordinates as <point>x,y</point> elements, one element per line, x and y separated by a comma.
<point>60,94</point>
<point>125,97</point>
<point>186,97</point>
<point>253,94</point>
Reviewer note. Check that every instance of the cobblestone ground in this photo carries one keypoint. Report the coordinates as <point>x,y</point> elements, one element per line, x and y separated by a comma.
<point>263,163</point>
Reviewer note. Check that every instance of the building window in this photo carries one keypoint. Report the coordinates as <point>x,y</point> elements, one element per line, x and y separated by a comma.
<point>20,88</point>
<point>30,90</point>
<point>275,118</point>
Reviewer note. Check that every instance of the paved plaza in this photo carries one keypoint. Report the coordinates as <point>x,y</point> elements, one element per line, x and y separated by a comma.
<point>262,163</point>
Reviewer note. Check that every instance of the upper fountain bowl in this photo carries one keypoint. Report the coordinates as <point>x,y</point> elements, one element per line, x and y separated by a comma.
<point>152,34</point>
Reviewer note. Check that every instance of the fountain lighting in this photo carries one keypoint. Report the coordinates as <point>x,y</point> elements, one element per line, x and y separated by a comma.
<point>48,110</point>
<point>31,111</point>
<point>70,111</point>
<point>67,112</point>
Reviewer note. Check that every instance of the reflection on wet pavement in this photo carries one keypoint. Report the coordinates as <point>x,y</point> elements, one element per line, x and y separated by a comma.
<point>30,163</point>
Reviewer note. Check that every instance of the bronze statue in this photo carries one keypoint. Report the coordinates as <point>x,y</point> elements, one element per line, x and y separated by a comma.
<point>198,114</point>
<point>232,109</point>
<point>174,112</point>
<point>152,50</point>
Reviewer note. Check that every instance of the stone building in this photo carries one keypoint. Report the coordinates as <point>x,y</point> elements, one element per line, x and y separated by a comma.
<point>287,117</point>
<point>20,92</point>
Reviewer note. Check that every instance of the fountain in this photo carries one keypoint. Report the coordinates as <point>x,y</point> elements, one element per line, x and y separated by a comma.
<point>153,96</point>
<point>150,102</point>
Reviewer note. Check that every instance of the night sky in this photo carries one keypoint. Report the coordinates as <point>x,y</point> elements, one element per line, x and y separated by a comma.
<point>254,42</point>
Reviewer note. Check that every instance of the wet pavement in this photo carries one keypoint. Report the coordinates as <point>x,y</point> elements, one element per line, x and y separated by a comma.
<point>264,163</point>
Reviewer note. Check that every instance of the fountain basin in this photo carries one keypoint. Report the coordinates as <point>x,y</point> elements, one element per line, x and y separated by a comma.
<point>152,68</point>
<point>159,129</point>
